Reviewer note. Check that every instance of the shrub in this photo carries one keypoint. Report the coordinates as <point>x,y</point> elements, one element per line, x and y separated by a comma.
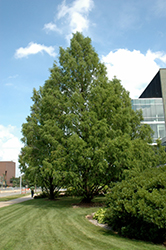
<point>136,207</point>
<point>100,215</point>
<point>105,190</point>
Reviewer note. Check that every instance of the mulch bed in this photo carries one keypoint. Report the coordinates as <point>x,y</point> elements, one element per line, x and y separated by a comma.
<point>90,217</point>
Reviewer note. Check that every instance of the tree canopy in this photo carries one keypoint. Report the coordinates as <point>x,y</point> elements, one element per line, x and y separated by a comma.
<point>82,130</point>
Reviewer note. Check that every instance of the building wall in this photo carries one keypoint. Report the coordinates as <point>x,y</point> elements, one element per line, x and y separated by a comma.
<point>7,169</point>
<point>153,114</point>
<point>153,104</point>
<point>163,88</point>
<point>157,88</point>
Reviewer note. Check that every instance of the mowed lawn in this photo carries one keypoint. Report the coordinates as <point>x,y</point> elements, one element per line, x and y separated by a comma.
<point>43,224</point>
<point>15,196</point>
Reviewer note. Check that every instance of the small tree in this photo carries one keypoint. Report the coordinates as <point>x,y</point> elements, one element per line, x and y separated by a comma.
<point>15,181</point>
<point>82,125</point>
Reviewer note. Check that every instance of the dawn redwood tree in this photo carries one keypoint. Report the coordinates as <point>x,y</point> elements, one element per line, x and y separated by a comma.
<point>82,129</point>
<point>42,155</point>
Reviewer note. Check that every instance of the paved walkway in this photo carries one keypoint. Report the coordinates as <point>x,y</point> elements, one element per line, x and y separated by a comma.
<point>18,200</point>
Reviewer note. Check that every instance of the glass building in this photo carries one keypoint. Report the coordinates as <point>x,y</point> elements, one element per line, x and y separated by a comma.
<point>153,114</point>
<point>153,104</point>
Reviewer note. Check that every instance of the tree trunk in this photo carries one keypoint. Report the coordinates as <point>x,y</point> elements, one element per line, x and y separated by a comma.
<point>51,189</point>
<point>87,197</point>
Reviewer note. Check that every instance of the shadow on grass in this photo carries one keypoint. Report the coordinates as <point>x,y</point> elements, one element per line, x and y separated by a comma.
<point>63,201</point>
<point>59,202</point>
<point>109,233</point>
<point>46,203</point>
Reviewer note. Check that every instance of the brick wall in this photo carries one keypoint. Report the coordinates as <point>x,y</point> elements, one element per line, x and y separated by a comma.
<point>7,168</point>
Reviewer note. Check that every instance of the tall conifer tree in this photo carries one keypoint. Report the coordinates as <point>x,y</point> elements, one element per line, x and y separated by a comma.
<point>82,129</point>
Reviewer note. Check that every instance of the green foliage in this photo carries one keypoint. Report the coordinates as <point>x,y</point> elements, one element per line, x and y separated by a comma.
<point>71,191</point>
<point>15,181</point>
<point>100,215</point>
<point>136,206</point>
<point>160,153</point>
<point>105,190</point>
<point>42,155</point>
<point>82,131</point>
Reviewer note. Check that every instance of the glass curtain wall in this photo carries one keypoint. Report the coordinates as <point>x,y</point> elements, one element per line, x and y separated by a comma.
<point>153,114</point>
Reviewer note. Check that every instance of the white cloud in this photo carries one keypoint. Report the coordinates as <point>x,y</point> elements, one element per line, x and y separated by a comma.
<point>10,145</point>
<point>163,58</point>
<point>34,48</point>
<point>134,69</point>
<point>62,10</point>
<point>74,17</point>
<point>51,27</point>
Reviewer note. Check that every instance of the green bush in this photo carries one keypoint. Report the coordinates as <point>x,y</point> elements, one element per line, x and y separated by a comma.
<point>100,215</point>
<point>105,190</point>
<point>136,207</point>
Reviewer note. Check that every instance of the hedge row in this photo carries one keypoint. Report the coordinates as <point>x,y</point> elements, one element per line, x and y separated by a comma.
<point>136,207</point>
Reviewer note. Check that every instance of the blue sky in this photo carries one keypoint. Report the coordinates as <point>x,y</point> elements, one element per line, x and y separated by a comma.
<point>129,37</point>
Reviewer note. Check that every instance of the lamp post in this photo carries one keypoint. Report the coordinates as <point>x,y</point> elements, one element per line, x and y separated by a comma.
<point>20,183</point>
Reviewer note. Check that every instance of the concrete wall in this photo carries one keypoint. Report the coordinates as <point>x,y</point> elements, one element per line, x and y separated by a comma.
<point>7,168</point>
<point>163,88</point>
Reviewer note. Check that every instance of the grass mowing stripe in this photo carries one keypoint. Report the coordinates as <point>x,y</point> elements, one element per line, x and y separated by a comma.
<point>72,232</point>
<point>43,224</point>
<point>17,225</point>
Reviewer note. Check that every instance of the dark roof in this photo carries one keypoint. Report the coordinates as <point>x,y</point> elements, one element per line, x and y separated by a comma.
<point>153,90</point>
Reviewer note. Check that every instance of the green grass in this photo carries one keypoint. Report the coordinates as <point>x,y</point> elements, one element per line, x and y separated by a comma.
<point>11,197</point>
<point>41,224</point>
